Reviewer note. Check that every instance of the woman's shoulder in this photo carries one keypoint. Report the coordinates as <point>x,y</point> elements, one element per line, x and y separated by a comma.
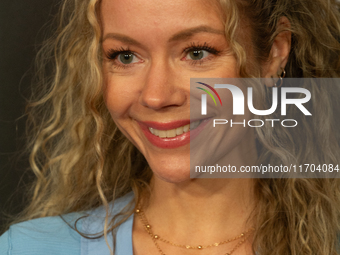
<point>52,234</point>
<point>56,234</point>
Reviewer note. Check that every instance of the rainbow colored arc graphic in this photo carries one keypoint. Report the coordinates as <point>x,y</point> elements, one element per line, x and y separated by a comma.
<point>211,88</point>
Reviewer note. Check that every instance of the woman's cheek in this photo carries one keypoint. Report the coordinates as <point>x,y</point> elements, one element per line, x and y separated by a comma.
<point>120,94</point>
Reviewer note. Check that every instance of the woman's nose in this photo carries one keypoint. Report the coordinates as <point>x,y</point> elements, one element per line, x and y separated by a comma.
<point>162,87</point>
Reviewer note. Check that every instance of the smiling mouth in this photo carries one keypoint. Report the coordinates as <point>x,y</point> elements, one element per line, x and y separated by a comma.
<point>176,131</point>
<point>172,135</point>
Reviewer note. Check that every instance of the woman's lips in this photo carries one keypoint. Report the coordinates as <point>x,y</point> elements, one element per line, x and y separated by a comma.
<point>172,135</point>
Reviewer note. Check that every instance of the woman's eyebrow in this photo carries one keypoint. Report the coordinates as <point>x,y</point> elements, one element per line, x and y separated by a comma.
<point>122,38</point>
<point>187,33</point>
<point>182,35</point>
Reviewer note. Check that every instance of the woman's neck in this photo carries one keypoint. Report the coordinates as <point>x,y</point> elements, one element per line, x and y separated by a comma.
<point>201,210</point>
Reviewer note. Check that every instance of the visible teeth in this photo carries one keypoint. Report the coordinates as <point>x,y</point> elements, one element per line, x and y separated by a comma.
<point>171,133</point>
<point>186,128</point>
<point>162,133</point>
<point>179,131</point>
<point>174,132</point>
<point>194,125</point>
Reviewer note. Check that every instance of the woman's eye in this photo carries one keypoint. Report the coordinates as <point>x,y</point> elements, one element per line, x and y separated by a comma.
<point>197,54</point>
<point>127,58</point>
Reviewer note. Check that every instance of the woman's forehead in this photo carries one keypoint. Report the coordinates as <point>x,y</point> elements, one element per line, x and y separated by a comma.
<point>158,16</point>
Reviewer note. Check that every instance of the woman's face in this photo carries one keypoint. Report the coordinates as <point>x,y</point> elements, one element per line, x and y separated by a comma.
<point>151,50</point>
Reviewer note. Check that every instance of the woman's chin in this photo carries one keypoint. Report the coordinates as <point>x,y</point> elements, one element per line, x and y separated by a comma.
<point>170,167</point>
<point>172,175</point>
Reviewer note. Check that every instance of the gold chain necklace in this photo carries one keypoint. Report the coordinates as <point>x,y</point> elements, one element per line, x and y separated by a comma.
<point>155,238</point>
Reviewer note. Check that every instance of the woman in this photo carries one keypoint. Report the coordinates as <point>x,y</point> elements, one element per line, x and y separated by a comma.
<point>104,153</point>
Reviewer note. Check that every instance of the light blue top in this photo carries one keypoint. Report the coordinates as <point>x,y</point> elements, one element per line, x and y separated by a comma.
<point>52,236</point>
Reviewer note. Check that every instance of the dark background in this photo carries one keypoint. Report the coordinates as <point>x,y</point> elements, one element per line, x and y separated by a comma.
<point>22,29</point>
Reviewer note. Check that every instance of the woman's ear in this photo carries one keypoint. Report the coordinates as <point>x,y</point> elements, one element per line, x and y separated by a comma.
<point>279,53</point>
